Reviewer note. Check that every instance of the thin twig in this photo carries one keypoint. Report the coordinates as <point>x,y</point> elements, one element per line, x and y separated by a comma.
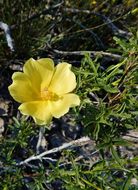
<point>131,136</point>
<point>94,96</point>
<point>92,53</point>
<point>49,159</point>
<point>108,21</point>
<point>7,32</point>
<point>40,139</point>
<point>79,142</point>
<point>97,39</point>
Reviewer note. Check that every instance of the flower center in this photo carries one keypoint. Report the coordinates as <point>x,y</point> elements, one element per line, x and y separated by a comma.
<point>48,95</point>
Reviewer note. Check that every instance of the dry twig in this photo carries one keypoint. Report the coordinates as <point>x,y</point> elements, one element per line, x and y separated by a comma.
<point>40,139</point>
<point>7,32</point>
<point>109,22</point>
<point>79,142</point>
<point>92,53</point>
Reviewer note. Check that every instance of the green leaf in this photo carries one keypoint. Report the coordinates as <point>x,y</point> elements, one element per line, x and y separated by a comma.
<point>122,142</point>
<point>96,88</point>
<point>134,160</point>
<point>115,156</point>
<point>110,89</point>
<point>90,184</point>
<point>122,43</point>
<point>92,64</point>
<point>127,182</point>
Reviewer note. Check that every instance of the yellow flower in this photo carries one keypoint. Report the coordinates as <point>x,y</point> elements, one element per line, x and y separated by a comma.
<point>43,90</point>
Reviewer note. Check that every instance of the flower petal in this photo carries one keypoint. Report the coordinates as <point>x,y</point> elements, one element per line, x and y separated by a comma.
<point>21,89</point>
<point>39,110</point>
<point>39,71</point>
<point>61,107</point>
<point>41,122</point>
<point>63,80</point>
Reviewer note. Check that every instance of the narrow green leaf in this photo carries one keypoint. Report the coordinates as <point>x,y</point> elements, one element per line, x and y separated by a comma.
<point>90,184</point>
<point>115,156</point>
<point>122,142</point>
<point>111,89</point>
<point>127,182</point>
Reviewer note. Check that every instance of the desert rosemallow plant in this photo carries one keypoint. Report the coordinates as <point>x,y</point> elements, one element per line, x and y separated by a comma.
<point>44,90</point>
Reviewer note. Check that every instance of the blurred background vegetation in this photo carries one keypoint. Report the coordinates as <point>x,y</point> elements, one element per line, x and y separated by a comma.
<point>38,27</point>
<point>100,39</point>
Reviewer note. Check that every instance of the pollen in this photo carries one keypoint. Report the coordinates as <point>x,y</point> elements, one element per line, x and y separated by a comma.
<point>48,95</point>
